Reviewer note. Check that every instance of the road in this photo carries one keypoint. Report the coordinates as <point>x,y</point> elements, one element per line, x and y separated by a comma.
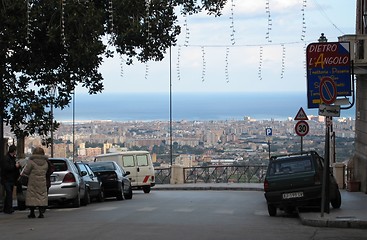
<point>167,215</point>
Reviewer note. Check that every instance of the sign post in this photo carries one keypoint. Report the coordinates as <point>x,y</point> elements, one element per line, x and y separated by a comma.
<point>269,134</point>
<point>301,127</point>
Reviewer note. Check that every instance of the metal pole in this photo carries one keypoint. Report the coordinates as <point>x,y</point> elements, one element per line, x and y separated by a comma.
<point>74,126</point>
<point>301,144</point>
<point>52,128</point>
<point>325,196</point>
<point>170,105</point>
<point>2,142</point>
<point>269,148</point>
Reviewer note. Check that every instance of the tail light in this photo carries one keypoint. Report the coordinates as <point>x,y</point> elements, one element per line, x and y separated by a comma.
<point>69,178</point>
<point>266,185</point>
<point>317,179</point>
<point>152,178</point>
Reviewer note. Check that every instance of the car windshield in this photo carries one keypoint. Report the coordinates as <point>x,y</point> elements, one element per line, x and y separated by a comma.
<point>294,165</point>
<point>102,166</point>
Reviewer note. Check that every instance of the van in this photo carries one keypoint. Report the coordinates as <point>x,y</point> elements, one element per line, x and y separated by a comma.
<point>138,163</point>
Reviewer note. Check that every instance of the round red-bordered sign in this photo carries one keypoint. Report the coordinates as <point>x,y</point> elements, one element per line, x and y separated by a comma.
<point>301,128</point>
<point>327,90</point>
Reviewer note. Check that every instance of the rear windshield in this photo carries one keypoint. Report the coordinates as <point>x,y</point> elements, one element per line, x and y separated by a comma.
<point>102,166</point>
<point>294,165</point>
<point>128,161</point>
<point>60,165</point>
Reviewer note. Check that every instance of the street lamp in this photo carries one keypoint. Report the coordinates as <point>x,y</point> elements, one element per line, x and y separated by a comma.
<point>322,38</point>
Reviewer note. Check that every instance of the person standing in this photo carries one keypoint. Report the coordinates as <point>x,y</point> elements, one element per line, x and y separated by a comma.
<point>9,175</point>
<point>36,169</point>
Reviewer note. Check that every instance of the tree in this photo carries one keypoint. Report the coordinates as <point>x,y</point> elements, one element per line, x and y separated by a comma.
<point>48,46</point>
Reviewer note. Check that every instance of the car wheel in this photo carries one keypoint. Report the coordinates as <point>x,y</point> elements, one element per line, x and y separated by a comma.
<point>272,210</point>
<point>120,194</point>
<point>100,197</point>
<point>129,195</point>
<point>337,202</point>
<point>76,202</point>
<point>86,199</point>
<point>146,189</point>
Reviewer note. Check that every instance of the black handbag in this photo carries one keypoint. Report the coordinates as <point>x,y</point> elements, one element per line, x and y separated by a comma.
<point>23,180</point>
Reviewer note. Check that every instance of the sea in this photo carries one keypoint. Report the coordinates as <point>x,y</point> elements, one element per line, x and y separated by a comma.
<point>187,106</point>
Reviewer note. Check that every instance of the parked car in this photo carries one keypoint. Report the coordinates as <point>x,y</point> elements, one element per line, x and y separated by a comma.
<point>94,188</point>
<point>67,185</point>
<point>296,180</point>
<point>114,179</point>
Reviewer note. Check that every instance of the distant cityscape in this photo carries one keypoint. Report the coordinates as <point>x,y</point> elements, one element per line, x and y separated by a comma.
<point>197,143</point>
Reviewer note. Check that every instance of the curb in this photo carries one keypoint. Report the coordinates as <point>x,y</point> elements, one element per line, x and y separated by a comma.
<point>342,223</point>
<point>207,188</point>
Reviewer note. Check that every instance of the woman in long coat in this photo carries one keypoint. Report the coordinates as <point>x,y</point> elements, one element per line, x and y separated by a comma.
<point>36,170</point>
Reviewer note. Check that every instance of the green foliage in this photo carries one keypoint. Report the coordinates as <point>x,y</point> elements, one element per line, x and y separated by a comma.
<point>48,47</point>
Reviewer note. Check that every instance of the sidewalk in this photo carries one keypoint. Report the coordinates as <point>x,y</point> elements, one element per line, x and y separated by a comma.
<point>352,213</point>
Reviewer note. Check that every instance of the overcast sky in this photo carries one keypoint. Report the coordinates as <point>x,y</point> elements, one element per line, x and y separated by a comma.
<point>252,47</point>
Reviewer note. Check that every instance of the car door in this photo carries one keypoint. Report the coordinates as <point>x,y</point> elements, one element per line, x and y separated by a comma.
<point>129,164</point>
<point>89,178</point>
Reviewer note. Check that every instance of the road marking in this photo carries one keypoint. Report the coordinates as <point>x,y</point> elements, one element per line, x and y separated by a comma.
<point>105,209</point>
<point>64,209</point>
<point>183,210</point>
<point>224,211</point>
<point>146,209</point>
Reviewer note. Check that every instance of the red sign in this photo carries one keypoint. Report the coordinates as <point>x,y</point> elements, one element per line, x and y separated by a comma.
<point>327,90</point>
<point>301,128</point>
<point>301,115</point>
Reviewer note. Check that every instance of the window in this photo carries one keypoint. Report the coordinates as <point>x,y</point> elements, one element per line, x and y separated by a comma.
<point>142,160</point>
<point>290,166</point>
<point>102,166</point>
<point>60,165</point>
<point>128,161</point>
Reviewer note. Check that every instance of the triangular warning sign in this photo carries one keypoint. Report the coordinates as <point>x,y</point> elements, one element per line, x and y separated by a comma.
<point>301,115</point>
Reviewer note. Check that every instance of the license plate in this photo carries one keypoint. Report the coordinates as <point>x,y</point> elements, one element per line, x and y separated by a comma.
<point>292,195</point>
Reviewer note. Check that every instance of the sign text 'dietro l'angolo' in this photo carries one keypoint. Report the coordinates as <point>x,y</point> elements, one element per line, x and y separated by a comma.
<point>329,60</point>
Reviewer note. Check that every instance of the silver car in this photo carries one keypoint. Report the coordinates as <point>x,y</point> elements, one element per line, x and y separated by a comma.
<point>67,185</point>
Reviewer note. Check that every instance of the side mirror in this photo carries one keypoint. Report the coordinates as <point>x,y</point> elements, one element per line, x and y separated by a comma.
<point>127,173</point>
<point>83,173</point>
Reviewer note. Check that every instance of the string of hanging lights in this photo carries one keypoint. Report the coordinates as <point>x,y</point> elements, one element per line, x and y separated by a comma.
<point>260,63</point>
<point>178,63</point>
<point>187,31</point>
<point>283,62</point>
<point>187,36</point>
<point>63,39</point>
<point>233,41</point>
<point>204,64</point>
<point>226,71</point>
<point>28,22</point>
<point>267,7</point>
<point>303,35</point>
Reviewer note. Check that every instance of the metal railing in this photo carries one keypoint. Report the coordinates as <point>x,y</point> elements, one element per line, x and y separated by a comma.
<point>162,175</point>
<point>216,174</point>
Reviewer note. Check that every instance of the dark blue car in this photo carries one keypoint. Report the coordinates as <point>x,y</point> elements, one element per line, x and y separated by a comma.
<point>114,179</point>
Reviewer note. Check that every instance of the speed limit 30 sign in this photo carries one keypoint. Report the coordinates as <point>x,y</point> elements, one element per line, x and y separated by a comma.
<point>301,128</point>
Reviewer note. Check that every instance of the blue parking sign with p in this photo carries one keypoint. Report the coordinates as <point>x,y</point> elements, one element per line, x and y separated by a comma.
<point>269,131</point>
